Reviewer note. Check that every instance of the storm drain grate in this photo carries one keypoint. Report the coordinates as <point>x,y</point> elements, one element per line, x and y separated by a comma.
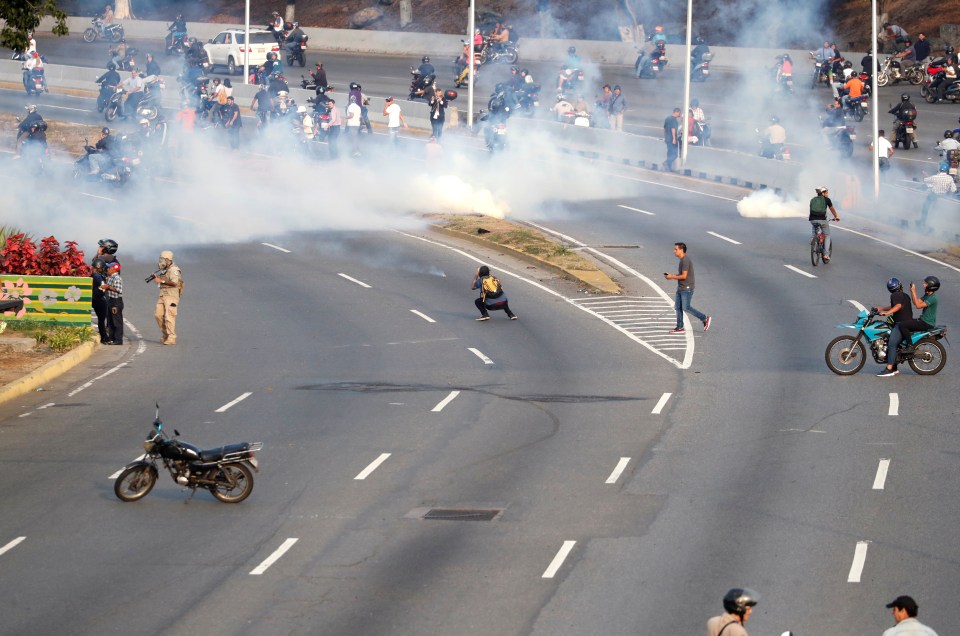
<point>463,514</point>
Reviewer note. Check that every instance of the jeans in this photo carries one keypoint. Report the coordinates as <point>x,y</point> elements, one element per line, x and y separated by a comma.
<point>437,127</point>
<point>115,319</point>
<point>927,206</point>
<point>892,342</point>
<point>825,225</point>
<point>672,153</point>
<point>505,306</point>
<point>394,134</point>
<point>682,304</point>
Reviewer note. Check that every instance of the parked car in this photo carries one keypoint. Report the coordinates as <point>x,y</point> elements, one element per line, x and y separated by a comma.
<point>227,49</point>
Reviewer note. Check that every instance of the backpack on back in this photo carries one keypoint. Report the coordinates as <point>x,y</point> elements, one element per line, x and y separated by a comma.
<point>818,206</point>
<point>490,287</point>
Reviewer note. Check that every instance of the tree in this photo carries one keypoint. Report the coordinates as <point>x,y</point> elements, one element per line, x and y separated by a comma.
<point>22,17</point>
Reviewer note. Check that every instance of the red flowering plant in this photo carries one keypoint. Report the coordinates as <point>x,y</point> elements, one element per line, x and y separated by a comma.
<point>20,256</point>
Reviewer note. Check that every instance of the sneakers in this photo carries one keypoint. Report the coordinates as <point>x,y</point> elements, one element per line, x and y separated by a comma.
<point>706,324</point>
<point>514,317</point>
<point>482,318</point>
<point>680,330</point>
<point>888,373</point>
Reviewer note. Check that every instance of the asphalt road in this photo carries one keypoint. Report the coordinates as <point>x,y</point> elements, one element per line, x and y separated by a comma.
<point>639,476</point>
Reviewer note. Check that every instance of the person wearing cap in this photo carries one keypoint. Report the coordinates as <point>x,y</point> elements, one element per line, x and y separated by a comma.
<point>232,122</point>
<point>113,289</point>
<point>391,110</point>
<point>905,614</point>
<point>170,281</point>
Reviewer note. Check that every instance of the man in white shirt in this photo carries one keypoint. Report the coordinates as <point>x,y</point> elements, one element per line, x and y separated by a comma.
<point>905,614</point>
<point>354,115</point>
<point>884,149</point>
<point>391,110</point>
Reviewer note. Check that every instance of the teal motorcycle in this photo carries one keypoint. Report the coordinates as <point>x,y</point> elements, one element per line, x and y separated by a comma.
<point>846,355</point>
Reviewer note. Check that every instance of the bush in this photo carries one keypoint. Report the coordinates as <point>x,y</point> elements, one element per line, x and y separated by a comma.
<point>20,256</point>
<point>58,338</point>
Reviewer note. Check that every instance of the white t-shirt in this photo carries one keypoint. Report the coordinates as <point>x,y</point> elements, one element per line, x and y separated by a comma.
<point>883,147</point>
<point>393,115</point>
<point>353,115</point>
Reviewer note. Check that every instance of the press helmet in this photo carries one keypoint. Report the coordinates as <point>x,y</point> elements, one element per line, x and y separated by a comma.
<point>894,285</point>
<point>109,245</point>
<point>425,59</point>
<point>738,599</point>
<point>904,97</point>
<point>932,283</point>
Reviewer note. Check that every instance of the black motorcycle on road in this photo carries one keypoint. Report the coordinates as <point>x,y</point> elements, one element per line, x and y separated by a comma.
<point>227,471</point>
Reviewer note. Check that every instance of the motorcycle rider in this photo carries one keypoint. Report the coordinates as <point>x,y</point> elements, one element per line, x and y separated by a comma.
<point>698,122</point>
<point>118,52</point>
<point>271,65</point>
<point>195,55</point>
<point>905,111</point>
<point>31,129</point>
<point>500,36</point>
<point>738,604</point>
<point>34,66</point>
<point>108,82</point>
<point>833,115</point>
<point>319,76</point>
<point>818,214</point>
<point>294,39</point>
<point>153,67</point>
<point>425,68</point>
<point>900,310</point>
<point>784,68</point>
<point>696,55</point>
<point>658,36</point>
<point>176,30</point>
<point>951,75</point>
<point>774,137</point>
<point>102,161</point>
<point>277,84</point>
<point>133,93</point>
<point>907,57</point>
<point>947,143</point>
<point>852,89</point>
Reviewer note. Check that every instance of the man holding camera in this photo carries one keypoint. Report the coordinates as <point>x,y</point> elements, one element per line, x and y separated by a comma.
<point>169,279</point>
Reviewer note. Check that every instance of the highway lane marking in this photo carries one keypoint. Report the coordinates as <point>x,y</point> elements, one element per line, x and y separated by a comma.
<point>39,408</point>
<point>480,355</point>
<point>422,315</point>
<point>117,474</point>
<point>615,475</point>
<point>558,560</point>
<point>894,404</point>
<point>354,280</point>
<point>97,196</point>
<point>372,467</point>
<point>445,401</point>
<point>12,545</point>
<point>722,237</point>
<point>859,559</point>
<point>234,402</point>
<point>273,558</point>
<point>857,305</point>
<point>902,249</point>
<point>881,478</point>
<point>627,207</point>
<point>667,185</point>
<point>800,271</point>
<point>276,247</point>
<point>660,404</point>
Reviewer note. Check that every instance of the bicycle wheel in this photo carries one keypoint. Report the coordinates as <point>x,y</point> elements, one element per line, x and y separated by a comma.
<point>814,252</point>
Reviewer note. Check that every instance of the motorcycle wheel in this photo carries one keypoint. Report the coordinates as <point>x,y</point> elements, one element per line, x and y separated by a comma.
<point>916,76</point>
<point>90,35</point>
<point>302,60</point>
<point>116,35</point>
<point>929,357</point>
<point>846,150</point>
<point>814,252</point>
<point>110,113</point>
<point>858,113</point>
<point>882,78</point>
<point>845,355</point>
<point>510,56</point>
<point>928,96</point>
<point>483,57</point>
<point>134,483</point>
<point>234,483</point>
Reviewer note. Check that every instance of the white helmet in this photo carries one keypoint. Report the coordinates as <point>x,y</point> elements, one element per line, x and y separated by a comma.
<point>301,109</point>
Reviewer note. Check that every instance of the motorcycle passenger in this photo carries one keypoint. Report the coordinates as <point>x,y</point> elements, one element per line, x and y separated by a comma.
<point>900,310</point>
<point>818,215</point>
<point>951,75</point>
<point>321,102</point>
<point>425,68</point>
<point>928,312</point>
<point>196,54</point>
<point>177,30</point>
<point>271,65</point>
<point>33,67</point>
<point>774,138</point>
<point>153,68</point>
<point>947,144</point>
<point>319,76</point>
<point>294,39</point>
<point>853,89</point>
<point>133,93</point>
<point>276,26</point>
<point>31,128</point>
<point>738,604</point>
<point>277,83</point>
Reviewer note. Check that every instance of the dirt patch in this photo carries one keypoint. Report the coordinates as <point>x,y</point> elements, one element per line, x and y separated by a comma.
<point>16,364</point>
<point>60,135</point>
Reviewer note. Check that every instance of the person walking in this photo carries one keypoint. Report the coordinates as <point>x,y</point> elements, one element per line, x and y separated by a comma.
<point>671,137</point>
<point>232,122</point>
<point>170,281</point>
<point>883,149</point>
<point>617,106</point>
<point>492,296</point>
<point>113,288</point>
<point>905,615</point>
<point>394,115</point>
<point>685,285</point>
<point>938,184</point>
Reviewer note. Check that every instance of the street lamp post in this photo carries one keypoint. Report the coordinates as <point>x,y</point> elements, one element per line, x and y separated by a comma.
<point>470,61</point>
<point>686,84</point>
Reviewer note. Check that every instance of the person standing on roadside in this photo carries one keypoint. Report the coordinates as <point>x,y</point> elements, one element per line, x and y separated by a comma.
<point>617,106</point>
<point>354,116</point>
<point>170,281</point>
<point>333,129</point>
<point>391,110</point>
<point>883,149</point>
<point>905,615</point>
<point>113,288</point>
<point>99,300</point>
<point>671,137</point>
<point>232,122</point>
<point>685,284</point>
<point>438,104</point>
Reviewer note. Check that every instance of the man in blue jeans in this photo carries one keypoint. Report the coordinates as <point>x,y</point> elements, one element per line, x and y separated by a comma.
<point>685,282</point>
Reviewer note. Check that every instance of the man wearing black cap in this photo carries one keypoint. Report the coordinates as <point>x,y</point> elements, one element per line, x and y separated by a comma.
<point>905,614</point>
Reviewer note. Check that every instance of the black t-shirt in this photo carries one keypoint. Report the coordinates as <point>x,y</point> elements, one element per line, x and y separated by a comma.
<point>814,216</point>
<point>901,298</point>
<point>668,123</point>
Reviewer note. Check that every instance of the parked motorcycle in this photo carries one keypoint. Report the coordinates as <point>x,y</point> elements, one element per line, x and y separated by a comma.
<point>299,53</point>
<point>892,72</point>
<point>112,31</point>
<point>846,355</point>
<point>227,471</point>
<point>421,87</point>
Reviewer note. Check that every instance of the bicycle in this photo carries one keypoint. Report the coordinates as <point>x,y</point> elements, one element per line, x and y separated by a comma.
<point>817,251</point>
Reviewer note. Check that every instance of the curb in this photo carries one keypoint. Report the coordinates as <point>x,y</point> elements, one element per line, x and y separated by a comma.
<point>47,372</point>
<point>594,280</point>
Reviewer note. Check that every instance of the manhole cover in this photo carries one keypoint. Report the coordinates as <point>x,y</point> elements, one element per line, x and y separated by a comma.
<point>462,514</point>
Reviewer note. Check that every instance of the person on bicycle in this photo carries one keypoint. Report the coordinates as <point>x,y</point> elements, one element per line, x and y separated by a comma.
<point>818,216</point>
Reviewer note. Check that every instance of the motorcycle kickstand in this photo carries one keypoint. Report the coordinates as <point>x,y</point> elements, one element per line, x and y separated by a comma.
<point>193,491</point>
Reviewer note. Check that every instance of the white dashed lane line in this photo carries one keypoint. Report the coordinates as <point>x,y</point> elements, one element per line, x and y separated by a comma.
<point>372,467</point>
<point>618,470</point>
<point>881,479</point>
<point>39,408</point>
<point>627,207</point>
<point>859,560</point>
<point>662,402</point>
<point>422,315</point>
<point>445,401</point>
<point>724,238</point>
<point>12,545</point>
<point>354,280</point>
<point>894,405</point>
<point>233,402</point>
<point>558,560</point>
<point>273,558</point>
<point>799,271</point>
<point>480,355</point>
<point>276,247</point>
